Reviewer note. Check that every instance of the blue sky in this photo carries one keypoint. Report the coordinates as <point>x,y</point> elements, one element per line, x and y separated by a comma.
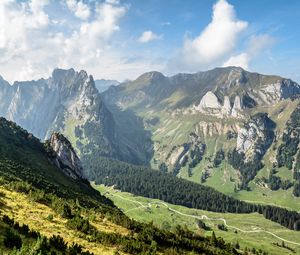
<point>121,39</point>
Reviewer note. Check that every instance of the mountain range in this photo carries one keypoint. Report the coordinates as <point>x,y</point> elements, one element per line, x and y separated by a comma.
<point>178,124</point>
<point>229,129</point>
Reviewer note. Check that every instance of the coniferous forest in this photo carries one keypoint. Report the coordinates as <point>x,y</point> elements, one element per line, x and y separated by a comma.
<point>154,184</point>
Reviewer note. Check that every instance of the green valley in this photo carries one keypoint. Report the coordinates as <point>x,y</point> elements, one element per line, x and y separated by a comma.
<point>248,230</point>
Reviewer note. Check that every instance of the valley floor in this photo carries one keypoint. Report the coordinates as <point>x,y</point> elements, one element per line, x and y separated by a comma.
<point>249,230</point>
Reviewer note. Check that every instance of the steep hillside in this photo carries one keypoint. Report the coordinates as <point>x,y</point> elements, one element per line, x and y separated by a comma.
<point>47,207</point>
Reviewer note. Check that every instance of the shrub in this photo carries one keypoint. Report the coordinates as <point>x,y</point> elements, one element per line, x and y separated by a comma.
<point>75,249</point>
<point>50,217</point>
<point>12,239</point>
<point>58,243</point>
<point>79,224</point>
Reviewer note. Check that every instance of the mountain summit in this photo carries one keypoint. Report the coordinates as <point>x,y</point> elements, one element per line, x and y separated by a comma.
<point>67,102</point>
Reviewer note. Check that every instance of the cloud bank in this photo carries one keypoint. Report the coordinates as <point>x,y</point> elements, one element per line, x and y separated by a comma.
<point>38,35</point>
<point>32,44</point>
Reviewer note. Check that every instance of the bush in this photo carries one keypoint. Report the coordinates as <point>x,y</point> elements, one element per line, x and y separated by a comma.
<point>75,249</point>
<point>58,243</point>
<point>222,227</point>
<point>79,224</point>
<point>62,208</point>
<point>50,217</point>
<point>20,186</point>
<point>12,239</point>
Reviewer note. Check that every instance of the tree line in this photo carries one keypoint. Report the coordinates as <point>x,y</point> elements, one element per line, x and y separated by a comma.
<point>154,184</point>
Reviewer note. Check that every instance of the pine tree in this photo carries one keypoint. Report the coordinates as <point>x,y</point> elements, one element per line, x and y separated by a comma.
<point>213,239</point>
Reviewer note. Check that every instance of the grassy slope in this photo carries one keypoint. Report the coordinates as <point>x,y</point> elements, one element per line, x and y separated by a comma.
<point>25,211</point>
<point>23,158</point>
<point>165,218</point>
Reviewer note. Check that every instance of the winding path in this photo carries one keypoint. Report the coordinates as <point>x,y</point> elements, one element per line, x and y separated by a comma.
<point>202,217</point>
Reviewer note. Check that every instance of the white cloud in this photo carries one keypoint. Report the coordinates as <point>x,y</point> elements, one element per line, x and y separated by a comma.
<point>256,44</point>
<point>241,60</point>
<point>32,44</point>
<point>216,41</point>
<point>87,43</point>
<point>80,9</point>
<point>148,36</point>
<point>18,24</point>
<point>113,1</point>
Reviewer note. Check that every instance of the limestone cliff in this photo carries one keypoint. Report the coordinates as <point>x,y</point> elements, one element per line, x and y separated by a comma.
<point>256,136</point>
<point>210,105</point>
<point>65,157</point>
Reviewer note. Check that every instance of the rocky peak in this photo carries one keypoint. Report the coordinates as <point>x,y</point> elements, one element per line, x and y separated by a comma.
<point>60,74</point>
<point>69,82</point>
<point>236,76</point>
<point>3,82</point>
<point>65,157</point>
<point>210,105</point>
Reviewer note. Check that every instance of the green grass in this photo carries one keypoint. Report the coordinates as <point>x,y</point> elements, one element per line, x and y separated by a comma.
<point>25,211</point>
<point>167,219</point>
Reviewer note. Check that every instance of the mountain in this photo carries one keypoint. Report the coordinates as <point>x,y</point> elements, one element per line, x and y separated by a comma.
<point>220,127</point>
<point>65,99</point>
<point>24,157</point>
<point>47,207</point>
<point>68,102</point>
<point>229,85</point>
<point>103,84</point>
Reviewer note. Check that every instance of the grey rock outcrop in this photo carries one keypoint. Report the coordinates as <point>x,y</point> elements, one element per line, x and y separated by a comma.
<point>210,105</point>
<point>237,108</point>
<point>65,157</point>
<point>256,136</point>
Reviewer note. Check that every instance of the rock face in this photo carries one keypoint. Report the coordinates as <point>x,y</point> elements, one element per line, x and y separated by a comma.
<point>226,109</point>
<point>65,157</point>
<point>256,136</point>
<point>189,153</point>
<point>210,105</point>
<point>237,108</point>
<point>282,89</point>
